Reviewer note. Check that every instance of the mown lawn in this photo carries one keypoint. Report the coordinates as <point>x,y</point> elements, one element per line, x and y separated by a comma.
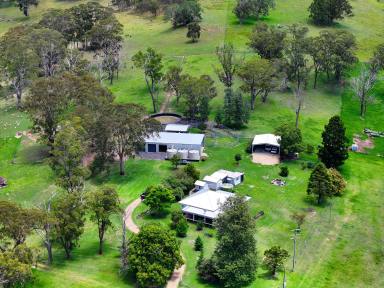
<point>339,247</point>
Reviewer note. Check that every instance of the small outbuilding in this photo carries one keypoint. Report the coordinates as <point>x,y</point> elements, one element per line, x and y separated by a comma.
<point>213,182</point>
<point>266,143</point>
<point>266,149</point>
<point>234,178</point>
<point>187,146</point>
<point>177,128</point>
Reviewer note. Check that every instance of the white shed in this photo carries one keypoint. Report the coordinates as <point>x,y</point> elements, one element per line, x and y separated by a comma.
<point>177,128</point>
<point>234,178</point>
<point>214,183</point>
<point>266,143</point>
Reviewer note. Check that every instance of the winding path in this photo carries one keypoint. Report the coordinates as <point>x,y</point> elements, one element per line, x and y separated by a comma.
<point>177,275</point>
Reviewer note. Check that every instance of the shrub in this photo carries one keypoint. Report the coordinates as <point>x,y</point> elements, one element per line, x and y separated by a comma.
<point>207,271</point>
<point>199,225</point>
<point>176,216</point>
<point>337,180</point>
<point>202,126</point>
<point>182,227</point>
<point>284,172</point>
<point>238,158</point>
<point>191,171</point>
<point>310,165</point>
<point>310,149</point>
<point>199,245</point>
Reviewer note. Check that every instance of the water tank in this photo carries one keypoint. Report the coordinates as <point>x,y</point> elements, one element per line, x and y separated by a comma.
<point>171,153</point>
<point>194,155</point>
<point>183,154</point>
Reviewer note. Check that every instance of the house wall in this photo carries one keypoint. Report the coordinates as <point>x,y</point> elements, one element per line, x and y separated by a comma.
<point>175,146</point>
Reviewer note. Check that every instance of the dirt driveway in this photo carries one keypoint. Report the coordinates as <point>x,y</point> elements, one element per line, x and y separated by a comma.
<point>177,275</point>
<point>265,158</point>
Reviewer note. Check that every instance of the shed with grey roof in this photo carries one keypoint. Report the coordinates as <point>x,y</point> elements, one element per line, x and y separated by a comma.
<point>185,143</point>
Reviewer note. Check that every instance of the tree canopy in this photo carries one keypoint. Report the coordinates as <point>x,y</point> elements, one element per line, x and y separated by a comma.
<point>325,12</point>
<point>153,254</point>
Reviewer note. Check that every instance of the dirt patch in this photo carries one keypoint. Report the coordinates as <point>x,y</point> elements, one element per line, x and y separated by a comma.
<point>363,144</point>
<point>28,134</point>
<point>265,158</point>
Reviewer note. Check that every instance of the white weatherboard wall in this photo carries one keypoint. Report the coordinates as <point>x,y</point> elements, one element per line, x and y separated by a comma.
<point>178,141</point>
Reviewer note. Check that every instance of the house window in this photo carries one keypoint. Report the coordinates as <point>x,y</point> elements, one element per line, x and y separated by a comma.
<point>163,148</point>
<point>151,147</point>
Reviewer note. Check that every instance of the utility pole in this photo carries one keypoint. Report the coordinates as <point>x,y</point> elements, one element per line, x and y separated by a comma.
<point>295,232</point>
<point>284,280</point>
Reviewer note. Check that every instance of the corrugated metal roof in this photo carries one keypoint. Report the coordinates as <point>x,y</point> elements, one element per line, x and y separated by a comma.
<point>176,138</point>
<point>207,199</point>
<point>176,128</point>
<point>269,139</point>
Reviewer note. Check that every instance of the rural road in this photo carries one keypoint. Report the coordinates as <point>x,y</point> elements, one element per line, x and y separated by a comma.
<point>177,275</point>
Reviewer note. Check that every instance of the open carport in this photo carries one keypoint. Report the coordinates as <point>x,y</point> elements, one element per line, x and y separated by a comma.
<point>266,149</point>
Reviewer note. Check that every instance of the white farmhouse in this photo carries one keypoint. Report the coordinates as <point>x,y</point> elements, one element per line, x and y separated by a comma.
<point>205,205</point>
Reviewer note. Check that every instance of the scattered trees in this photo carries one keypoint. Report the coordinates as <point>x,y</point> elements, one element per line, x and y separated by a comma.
<point>291,140</point>
<point>252,8</point>
<point>320,184</point>
<point>175,160</point>
<point>337,181</point>
<point>299,218</point>
<point>199,245</point>
<point>153,254</point>
<point>196,94</point>
<point>25,4</point>
<point>274,259</point>
<point>150,62</point>
<point>258,77</point>
<point>193,31</point>
<point>14,272</point>
<point>229,64</point>
<point>334,149</point>
<point>332,52</point>
<point>183,13</point>
<point>362,86</point>
<point>68,151</point>
<point>16,223</point>
<point>324,12</point>
<point>18,60</point>
<point>173,79</point>
<point>298,67</point>
<point>47,104</point>
<point>129,128</point>
<point>236,111</point>
<point>157,198</point>
<point>103,203</point>
<point>69,210</point>
<point>267,41</point>
<point>234,260</point>
<point>50,46</point>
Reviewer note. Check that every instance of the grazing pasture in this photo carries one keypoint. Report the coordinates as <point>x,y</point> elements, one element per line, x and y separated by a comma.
<point>341,241</point>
